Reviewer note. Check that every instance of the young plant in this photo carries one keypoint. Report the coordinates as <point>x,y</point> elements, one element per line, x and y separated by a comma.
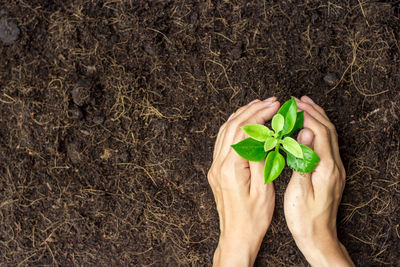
<point>262,140</point>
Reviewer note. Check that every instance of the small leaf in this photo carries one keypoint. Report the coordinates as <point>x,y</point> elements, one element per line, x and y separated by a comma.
<point>307,164</point>
<point>257,131</point>
<point>277,123</point>
<point>270,143</point>
<point>289,113</point>
<point>250,149</point>
<point>299,123</point>
<point>292,147</point>
<point>273,167</point>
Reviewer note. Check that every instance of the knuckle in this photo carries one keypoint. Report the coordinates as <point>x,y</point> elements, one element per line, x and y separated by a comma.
<point>241,109</point>
<point>323,130</point>
<point>320,109</point>
<point>221,129</point>
<point>306,106</point>
<point>332,128</point>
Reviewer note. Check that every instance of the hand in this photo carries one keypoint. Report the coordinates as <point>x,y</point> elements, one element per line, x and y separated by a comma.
<point>245,204</point>
<point>312,199</point>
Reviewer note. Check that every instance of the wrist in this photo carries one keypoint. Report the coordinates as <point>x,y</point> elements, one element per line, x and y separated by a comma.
<point>236,252</point>
<point>330,252</point>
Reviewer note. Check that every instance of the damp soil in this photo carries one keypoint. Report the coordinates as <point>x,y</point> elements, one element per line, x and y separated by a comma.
<point>109,112</point>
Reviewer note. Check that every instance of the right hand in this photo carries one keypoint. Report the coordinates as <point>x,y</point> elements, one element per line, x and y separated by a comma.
<point>312,199</point>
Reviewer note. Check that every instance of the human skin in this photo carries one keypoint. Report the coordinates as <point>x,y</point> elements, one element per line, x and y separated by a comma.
<point>245,205</point>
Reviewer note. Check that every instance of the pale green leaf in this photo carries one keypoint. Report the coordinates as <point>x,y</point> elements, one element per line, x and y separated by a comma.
<point>270,143</point>
<point>292,147</point>
<point>257,131</point>
<point>277,123</point>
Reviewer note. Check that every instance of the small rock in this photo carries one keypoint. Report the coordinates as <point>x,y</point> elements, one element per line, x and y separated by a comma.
<point>81,92</point>
<point>114,38</point>
<point>73,152</point>
<point>236,52</point>
<point>149,50</point>
<point>9,31</point>
<point>76,113</point>
<point>123,157</point>
<point>331,79</point>
<point>98,119</point>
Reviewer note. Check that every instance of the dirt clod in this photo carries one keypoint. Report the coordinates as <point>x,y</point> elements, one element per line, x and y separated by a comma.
<point>98,119</point>
<point>76,112</point>
<point>81,92</point>
<point>73,151</point>
<point>9,31</point>
<point>236,52</point>
<point>331,79</point>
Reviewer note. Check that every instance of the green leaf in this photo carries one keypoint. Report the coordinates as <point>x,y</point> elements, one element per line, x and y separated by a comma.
<point>292,147</point>
<point>277,123</point>
<point>298,124</point>
<point>257,131</point>
<point>270,143</point>
<point>307,164</point>
<point>289,113</point>
<point>250,149</point>
<point>274,165</point>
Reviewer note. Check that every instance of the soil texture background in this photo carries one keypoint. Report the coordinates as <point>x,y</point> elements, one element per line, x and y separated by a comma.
<point>109,112</point>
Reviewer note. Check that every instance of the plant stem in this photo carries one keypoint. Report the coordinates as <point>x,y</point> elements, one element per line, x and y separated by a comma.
<point>277,146</point>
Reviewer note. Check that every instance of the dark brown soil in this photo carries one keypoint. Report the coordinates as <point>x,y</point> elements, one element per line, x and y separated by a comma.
<point>109,111</point>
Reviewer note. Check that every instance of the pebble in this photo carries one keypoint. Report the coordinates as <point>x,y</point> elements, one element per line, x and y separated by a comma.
<point>76,113</point>
<point>9,31</point>
<point>331,79</point>
<point>98,119</point>
<point>81,92</point>
<point>236,52</point>
<point>150,50</point>
<point>73,152</point>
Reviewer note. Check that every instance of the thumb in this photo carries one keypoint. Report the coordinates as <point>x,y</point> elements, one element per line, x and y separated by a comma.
<point>301,182</point>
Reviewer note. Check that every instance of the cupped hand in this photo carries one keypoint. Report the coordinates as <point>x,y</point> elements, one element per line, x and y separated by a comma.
<point>245,204</point>
<point>312,199</point>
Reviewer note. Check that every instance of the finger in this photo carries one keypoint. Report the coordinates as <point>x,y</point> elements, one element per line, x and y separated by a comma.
<point>240,110</point>
<point>218,142</point>
<point>322,140</point>
<point>250,110</point>
<point>257,113</point>
<point>313,110</point>
<point>257,177</point>
<point>310,108</point>
<point>300,183</point>
<point>308,100</point>
<point>257,185</point>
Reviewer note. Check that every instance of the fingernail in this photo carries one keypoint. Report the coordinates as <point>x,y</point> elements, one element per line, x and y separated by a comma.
<point>305,137</point>
<point>255,100</point>
<point>296,99</point>
<point>230,117</point>
<point>308,100</point>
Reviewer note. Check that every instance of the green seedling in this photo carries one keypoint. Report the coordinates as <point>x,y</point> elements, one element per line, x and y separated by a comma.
<point>263,142</point>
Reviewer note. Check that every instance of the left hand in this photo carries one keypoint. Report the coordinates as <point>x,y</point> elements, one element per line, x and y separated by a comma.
<point>245,204</point>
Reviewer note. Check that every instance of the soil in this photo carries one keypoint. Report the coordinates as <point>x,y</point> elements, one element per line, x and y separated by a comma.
<point>109,112</point>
